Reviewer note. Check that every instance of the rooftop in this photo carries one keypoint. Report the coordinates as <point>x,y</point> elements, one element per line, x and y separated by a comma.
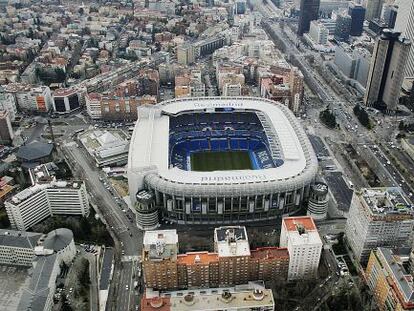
<point>34,151</point>
<point>398,273</point>
<point>301,230</point>
<point>20,239</point>
<point>58,239</point>
<point>34,298</point>
<point>293,223</point>
<point>231,241</point>
<point>270,252</point>
<point>249,296</point>
<point>197,257</point>
<point>63,92</point>
<point>386,201</point>
<point>161,244</point>
<point>149,142</point>
<point>106,269</point>
<point>28,192</point>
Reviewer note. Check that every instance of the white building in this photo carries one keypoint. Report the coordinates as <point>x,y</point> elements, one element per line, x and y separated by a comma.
<point>405,25</point>
<point>106,147</point>
<point>318,33</point>
<point>232,89</point>
<point>8,103</point>
<point>353,62</point>
<point>30,98</point>
<point>40,201</point>
<point>17,248</point>
<point>379,217</point>
<point>301,237</point>
<point>93,105</point>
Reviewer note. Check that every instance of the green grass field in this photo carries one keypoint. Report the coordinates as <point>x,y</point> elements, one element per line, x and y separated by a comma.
<point>220,161</point>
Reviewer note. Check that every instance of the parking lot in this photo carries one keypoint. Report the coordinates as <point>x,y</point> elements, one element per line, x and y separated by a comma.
<point>13,281</point>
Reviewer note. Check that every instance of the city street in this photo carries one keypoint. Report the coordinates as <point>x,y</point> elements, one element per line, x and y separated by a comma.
<point>117,223</point>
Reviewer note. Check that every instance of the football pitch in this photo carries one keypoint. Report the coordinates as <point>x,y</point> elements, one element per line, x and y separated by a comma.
<point>220,161</point>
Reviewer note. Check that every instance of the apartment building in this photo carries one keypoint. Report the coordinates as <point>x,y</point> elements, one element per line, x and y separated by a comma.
<point>389,279</point>
<point>159,260</point>
<point>231,263</point>
<point>300,236</point>
<point>31,98</point>
<point>379,217</point>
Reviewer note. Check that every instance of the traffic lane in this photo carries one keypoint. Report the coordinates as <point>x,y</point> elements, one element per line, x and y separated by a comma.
<point>120,223</point>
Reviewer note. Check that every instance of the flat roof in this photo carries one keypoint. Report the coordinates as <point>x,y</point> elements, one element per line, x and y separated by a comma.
<point>150,141</point>
<point>197,257</point>
<point>292,223</point>
<point>386,201</point>
<point>270,252</point>
<point>403,278</point>
<point>246,296</point>
<point>21,239</point>
<point>106,270</point>
<point>231,241</point>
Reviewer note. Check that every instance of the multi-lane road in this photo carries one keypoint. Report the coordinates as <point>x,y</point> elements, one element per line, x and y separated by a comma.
<point>128,237</point>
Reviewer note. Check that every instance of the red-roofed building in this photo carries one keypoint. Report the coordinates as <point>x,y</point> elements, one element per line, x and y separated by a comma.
<point>300,236</point>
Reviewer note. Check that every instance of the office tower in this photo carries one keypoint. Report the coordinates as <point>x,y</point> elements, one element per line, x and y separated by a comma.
<point>309,11</point>
<point>240,7</point>
<point>318,33</point>
<point>379,217</point>
<point>357,13</point>
<point>405,24</point>
<point>389,14</point>
<point>386,73</point>
<point>374,8</point>
<point>6,131</point>
<point>300,236</point>
<point>353,62</point>
<point>343,27</point>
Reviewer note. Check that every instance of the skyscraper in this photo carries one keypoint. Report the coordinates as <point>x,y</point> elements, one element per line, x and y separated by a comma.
<point>405,24</point>
<point>357,13</point>
<point>374,8</point>
<point>386,72</point>
<point>343,27</point>
<point>309,11</point>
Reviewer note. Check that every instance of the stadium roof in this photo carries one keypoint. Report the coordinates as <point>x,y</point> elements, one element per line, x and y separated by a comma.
<point>150,142</point>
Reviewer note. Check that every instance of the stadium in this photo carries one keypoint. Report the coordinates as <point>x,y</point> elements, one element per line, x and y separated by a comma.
<point>218,160</point>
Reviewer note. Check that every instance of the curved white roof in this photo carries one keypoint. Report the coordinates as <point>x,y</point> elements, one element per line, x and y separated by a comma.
<point>150,141</point>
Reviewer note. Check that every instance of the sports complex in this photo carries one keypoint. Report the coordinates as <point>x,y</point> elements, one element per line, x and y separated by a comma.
<point>218,160</point>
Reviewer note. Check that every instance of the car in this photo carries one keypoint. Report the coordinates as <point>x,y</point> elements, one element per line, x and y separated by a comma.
<point>126,287</point>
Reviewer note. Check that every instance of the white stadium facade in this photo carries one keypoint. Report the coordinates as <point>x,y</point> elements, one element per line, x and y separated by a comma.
<point>164,181</point>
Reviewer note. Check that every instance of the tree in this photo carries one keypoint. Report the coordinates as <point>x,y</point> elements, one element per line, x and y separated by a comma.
<point>328,118</point>
<point>362,116</point>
